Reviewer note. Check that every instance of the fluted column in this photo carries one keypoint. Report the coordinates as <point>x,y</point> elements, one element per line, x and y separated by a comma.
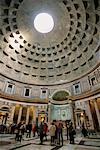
<point>97,111</point>
<point>20,114</point>
<point>27,115</point>
<point>89,115</point>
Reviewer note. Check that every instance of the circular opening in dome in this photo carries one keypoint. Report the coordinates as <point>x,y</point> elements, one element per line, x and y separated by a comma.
<point>43,23</point>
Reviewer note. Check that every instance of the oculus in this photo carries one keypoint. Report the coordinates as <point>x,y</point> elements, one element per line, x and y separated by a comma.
<point>43,23</point>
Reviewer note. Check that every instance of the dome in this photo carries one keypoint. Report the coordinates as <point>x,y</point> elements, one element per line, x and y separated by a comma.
<point>67,52</point>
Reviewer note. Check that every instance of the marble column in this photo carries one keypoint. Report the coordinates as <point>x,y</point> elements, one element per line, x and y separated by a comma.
<point>97,111</point>
<point>35,112</point>
<point>72,111</point>
<point>79,119</point>
<point>89,115</point>
<point>12,114</point>
<point>32,114</point>
<point>46,113</point>
<point>49,112</point>
<point>27,115</point>
<point>76,120</point>
<point>20,114</point>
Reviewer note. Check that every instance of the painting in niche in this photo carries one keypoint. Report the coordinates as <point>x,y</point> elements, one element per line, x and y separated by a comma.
<point>61,112</point>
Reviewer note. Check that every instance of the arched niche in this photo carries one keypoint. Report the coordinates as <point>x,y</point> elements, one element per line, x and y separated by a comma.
<point>60,95</point>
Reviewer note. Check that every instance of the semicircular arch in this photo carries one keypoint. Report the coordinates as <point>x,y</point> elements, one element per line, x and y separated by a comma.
<point>60,95</point>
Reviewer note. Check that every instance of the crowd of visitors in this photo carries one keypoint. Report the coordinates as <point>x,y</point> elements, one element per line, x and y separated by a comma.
<point>56,130</point>
<point>56,133</point>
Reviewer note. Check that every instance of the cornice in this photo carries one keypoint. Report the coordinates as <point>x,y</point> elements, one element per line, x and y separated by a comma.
<point>23,99</point>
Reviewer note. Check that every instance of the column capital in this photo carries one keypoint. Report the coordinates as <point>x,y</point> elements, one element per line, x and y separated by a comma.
<point>95,99</point>
<point>20,105</point>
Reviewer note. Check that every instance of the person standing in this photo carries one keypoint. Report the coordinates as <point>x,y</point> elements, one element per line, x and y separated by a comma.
<point>41,129</point>
<point>16,134</point>
<point>56,132</point>
<point>20,134</point>
<point>45,130</point>
<point>71,133</point>
<point>60,133</point>
<point>67,128</point>
<point>84,131</point>
<point>34,129</point>
<point>52,133</point>
<point>28,130</point>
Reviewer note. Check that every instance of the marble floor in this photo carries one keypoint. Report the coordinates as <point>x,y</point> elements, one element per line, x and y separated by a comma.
<point>7,142</point>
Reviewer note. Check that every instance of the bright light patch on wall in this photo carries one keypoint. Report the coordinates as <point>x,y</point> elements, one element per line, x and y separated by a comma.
<point>43,23</point>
